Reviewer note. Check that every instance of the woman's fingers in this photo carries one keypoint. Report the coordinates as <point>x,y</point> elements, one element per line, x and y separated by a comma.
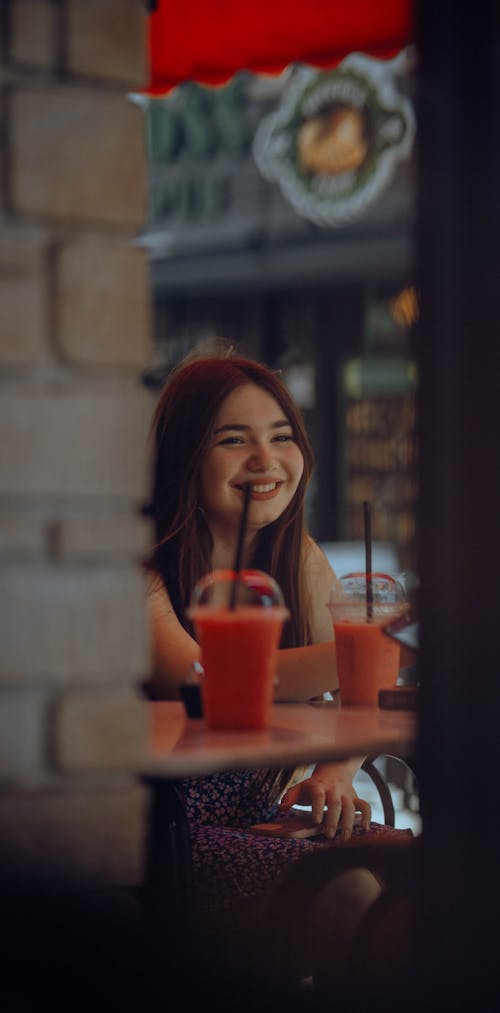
<point>317,795</point>
<point>291,797</point>
<point>343,815</point>
<point>337,812</point>
<point>340,815</point>
<point>366,812</point>
<point>332,816</point>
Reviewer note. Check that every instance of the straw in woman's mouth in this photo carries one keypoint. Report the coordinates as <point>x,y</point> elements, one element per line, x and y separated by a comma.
<point>239,548</point>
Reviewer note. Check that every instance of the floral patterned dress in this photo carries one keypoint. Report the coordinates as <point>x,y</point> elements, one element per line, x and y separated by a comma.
<point>230,863</point>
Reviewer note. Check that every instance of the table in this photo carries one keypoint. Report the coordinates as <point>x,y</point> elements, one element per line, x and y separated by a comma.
<point>299,734</point>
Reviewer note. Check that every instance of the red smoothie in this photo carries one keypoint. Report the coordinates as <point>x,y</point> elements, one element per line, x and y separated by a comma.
<point>367,661</point>
<point>238,653</point>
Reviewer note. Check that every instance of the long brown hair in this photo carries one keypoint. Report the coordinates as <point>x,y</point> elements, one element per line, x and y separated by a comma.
<point>182,427</point>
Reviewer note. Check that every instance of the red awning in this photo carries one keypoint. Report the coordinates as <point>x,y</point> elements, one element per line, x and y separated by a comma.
<point>210,40</point>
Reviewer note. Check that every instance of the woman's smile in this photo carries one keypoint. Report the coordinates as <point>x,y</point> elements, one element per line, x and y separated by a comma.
<point>262,490</point>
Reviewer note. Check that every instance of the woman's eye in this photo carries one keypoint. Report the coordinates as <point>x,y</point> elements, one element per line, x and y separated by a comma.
<point>240,441</point>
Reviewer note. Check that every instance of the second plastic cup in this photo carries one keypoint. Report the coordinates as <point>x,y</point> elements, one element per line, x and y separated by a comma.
<point>239,630</point>
<point>367,659</point>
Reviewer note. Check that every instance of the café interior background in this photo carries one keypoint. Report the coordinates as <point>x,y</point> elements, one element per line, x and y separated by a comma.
<point>331,305</point>
<point>129,235</point>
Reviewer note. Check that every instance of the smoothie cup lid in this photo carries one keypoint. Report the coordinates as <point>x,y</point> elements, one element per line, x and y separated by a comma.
<point>350,592</point>
<point>254,588</point>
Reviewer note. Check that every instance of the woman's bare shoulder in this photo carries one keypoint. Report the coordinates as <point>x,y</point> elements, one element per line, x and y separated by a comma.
<point>315,562</point>
<point>161,610</point>
<point>320,578</point>
<point>153,581</point>
<point>158,598</point>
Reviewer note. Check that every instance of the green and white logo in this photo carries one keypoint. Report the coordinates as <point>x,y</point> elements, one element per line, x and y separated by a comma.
<point>336,137</point>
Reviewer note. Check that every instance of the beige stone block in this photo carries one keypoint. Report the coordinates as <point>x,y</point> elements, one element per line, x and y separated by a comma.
<point>74,442</point>
<point>22,736</point>
<point>104,303</point>
<point>34,32</point>
<point>22,247</point>
<point>101,730</point>
<point>4,168</point>
<point>78,153</point>
<point>75,838</point>
<point>23,296</point>
<point>107,39</point>
<point>73,627</point>
<point>101,537</point>
<point>21,536</point>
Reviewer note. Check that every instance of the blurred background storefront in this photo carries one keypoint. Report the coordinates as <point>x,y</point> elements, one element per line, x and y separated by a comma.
<point>281,217</point>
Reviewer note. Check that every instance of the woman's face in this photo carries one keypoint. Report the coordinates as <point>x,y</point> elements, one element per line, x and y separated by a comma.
<point>252,442</point>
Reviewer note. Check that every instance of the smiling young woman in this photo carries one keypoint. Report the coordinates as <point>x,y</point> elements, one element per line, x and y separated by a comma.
<point>224,422</point>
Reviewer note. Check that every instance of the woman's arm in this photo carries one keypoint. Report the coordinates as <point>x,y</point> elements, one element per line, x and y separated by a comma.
<point>303,672</point>
<point>173,649</point>
<point>306,672</point>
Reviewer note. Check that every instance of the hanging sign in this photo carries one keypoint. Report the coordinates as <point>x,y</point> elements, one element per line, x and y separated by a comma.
<point>336,137</point>
<point>211,40</point>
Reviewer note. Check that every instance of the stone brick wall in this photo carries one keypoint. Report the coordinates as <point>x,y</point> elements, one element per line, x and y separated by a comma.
<point>75,335</point>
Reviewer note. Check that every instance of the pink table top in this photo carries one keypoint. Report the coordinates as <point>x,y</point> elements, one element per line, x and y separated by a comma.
<point>299,733</point>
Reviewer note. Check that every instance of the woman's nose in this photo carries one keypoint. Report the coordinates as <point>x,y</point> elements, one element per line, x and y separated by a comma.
<point>260,458</point>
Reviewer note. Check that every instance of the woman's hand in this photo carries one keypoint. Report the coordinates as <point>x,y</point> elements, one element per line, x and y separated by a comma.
<point>333,800</point>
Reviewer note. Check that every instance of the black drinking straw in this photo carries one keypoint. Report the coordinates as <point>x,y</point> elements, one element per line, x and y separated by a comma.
<point>239,547</point>
<point>368,559</point>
